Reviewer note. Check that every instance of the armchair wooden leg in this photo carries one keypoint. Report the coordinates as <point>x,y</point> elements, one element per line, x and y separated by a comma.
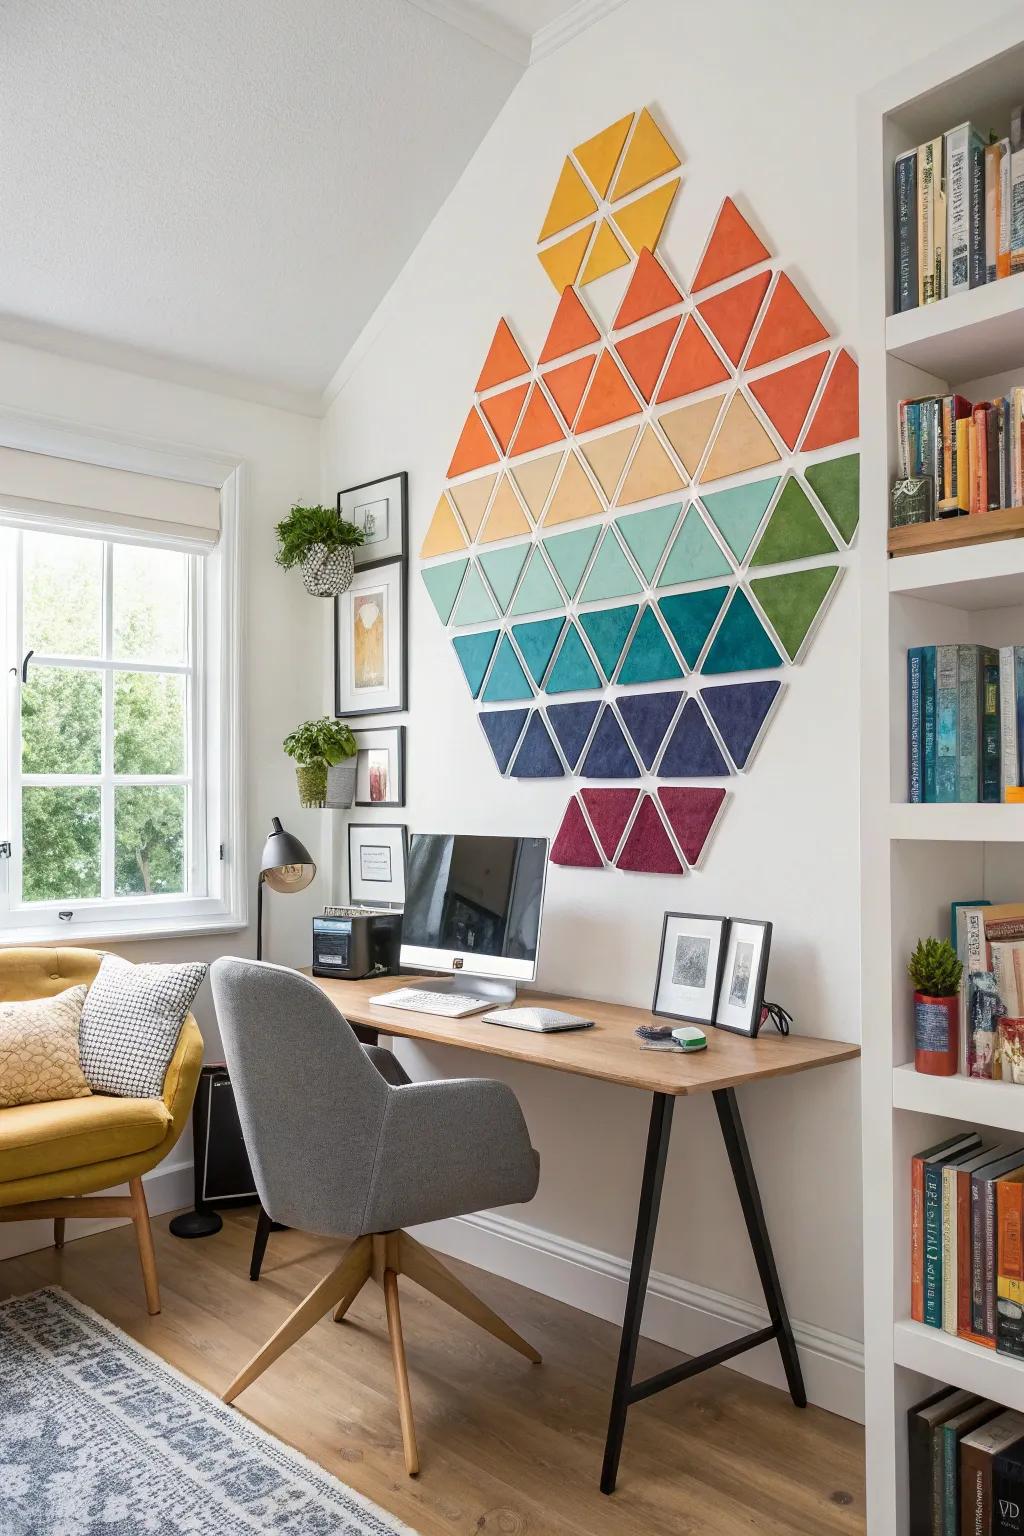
<point>144,1238</point>
<point>421,1265</point>
<point>412,1455</point>
<point>58,1231</point>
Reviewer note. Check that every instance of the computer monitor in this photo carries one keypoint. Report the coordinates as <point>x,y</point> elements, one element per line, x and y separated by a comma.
<point>473,908</point>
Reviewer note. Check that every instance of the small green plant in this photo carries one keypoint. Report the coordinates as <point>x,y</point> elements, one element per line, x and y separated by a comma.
<point>324,741</point>
<point>306,526</point>
<point>934,968</point>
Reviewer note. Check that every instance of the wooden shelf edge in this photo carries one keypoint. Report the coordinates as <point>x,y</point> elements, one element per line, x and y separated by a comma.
<point>957,532</point>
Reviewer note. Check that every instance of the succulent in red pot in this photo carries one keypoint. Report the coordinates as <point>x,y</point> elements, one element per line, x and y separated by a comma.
<point>935,970</point>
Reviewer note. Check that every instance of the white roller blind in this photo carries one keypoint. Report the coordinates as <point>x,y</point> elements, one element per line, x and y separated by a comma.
<point>38,490</point>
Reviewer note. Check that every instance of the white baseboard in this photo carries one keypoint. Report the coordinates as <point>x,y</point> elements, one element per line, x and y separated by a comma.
<point>168,1188</point>
<point>687,1317</point>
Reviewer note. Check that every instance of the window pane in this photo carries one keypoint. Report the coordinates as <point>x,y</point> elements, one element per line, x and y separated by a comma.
<point>61,843</point>
<point>63,582</point>
<point>149,722</point>
<point>150,604</point>
<point>61,714</point>
<point>149,840</point>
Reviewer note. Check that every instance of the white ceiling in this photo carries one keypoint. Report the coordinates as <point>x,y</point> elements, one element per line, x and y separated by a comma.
<point>222,191</point>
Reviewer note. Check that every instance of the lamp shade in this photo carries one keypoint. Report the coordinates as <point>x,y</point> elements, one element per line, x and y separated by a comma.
<point>286,864</point>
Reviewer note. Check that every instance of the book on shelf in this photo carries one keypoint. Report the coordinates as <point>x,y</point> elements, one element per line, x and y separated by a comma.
<point>964,736</point>
<point>971,452</point>
<point>1008,1492</point>
<point>965,1142</point>
<point>984,1256</point>
<point>978,1451</point>
<point>951,1434</point>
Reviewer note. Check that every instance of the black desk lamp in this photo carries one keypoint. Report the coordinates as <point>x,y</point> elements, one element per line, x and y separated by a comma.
<point>285,866</point>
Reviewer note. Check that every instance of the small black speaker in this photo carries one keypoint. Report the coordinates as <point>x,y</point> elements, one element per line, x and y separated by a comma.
<point>223,1174</point>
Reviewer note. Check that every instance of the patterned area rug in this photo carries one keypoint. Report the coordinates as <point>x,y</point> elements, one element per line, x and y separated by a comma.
<point>97,1435</point>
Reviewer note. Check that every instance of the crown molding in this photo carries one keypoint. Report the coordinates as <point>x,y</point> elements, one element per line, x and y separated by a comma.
<point>569,25</point>
<point>511,42</point>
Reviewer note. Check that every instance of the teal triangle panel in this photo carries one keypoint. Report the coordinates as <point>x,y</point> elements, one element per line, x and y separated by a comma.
<point>442,583</point>
<point>475,605</point>
<point>569,554</point>
<point>646,534</point>
<point>573,671</point>
<point>606,629</point>
<point>737,513</point>
<point>502,567</point>
<point>474,652</point>
<point>689,616</point>
<point>537,590</point>
<point>536,642</point>
<point>507,679</point>
<point>741,644</point>
<point>611,574</point>
<point>694,555</point>
<point>650,658</point>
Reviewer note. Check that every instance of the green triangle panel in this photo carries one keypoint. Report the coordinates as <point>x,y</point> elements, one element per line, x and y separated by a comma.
<point>650,658</point>
<point>694,555</point>
<point>475,604</point>
<point>742,643</point>
<point>690,616</point>
<point>573,671</point>
<point>536,642</point>
<point>646,534</point>
<point>507,679</point>
<point>794,531</point>
<point>836,483</point>
<point>737,513</point>
<point>442,583</point>
<point>606,629</point>
<point>537,589</point>
<point>611,574</point>
<point>474,652</point>
<point>502,567</point>
<point>792,602</point>
<point>569,553</point>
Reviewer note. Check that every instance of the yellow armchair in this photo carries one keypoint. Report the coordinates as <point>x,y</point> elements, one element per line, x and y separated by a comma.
<point>54,1156</point>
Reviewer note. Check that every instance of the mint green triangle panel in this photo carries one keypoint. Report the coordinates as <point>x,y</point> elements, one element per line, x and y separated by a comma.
<point>569,554</point>
<point>794,531</point>
<point>573,670</point>
<point>606,629</point>
<point>475,604</point>
<point>792,602</point>
<point>507,679</point>
<point>650,658</point>
<point>474,652</point>
<point>694,556</point>
<point>442,583</point>
<point>836,483</point>
<point>737,513</point>
<point>502,567</point>
<point>537,590</point>
<point>611,574</point>
<point>536,642</point>
<point>689,616</point>
<point>646,534</point>
<point>742,643</point>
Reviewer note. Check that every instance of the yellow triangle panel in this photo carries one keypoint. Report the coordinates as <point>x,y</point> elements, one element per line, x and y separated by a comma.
<point>570,203</point>
<point>642,221</point>
<point>606,254</point>
<point>471,498</point>
<point>535,479</point>
<point>600,155</point>
<point>574,496</point>
<point>689,428</point>
<point>651,473</point>
<point>444,534</point>
<point>562,260</point>
<point>607,456</point>
<point>506,517</point>
<point>649,155</point>
<point>742,443</point>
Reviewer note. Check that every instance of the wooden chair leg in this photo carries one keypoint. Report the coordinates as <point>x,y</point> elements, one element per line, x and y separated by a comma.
<point>346,1301</point>
<point>412,1455</point>
<point>144,1238</point>
<point>58,1231</point>
<point>422,1266</point>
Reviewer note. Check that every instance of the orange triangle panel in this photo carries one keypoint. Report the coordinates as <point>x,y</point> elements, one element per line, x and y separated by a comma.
<point>731,315</point>
<point>649,155</point>
<point>539,425</point>
<point>570,203</point>
<point>504,359</point>
<point>474,449</point>
<point>644,354</point>
<point>789,323</point>
<point>609,397</point>
<point>502,412</point>
<point>567,383</point>
<point>837,418</point>
<point>571,328</point>
<point>606,254</point>
<point>732,248</point>
<point>562,260</point>
<point>600,155</point>
<point>786,396</point>
<point>643,220</point>
<point>695,364</point>
<point>650,290</point>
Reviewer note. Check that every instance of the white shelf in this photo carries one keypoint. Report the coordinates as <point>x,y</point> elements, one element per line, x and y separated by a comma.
<point>970,336</point>
<point>978,576</point>
<point>957,823</point>
<point>1000,1105</point>
<point>959,1363</point>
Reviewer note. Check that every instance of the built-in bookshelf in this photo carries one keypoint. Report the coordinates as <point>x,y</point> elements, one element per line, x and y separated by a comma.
<point>941,582</point>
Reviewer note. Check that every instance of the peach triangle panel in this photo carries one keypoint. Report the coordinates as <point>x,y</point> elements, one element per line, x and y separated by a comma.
<point>694,365</point>
<point>570,203</point>
<point>730,315</point>
<point>648,155</point>
<point>609,398</point>
<point>504,360</point>
<point>471,498</point>
<point>571,328</point>
<point>506,517</point>
<point>651,471</point>
<point>607,457</point>
<point>643,354</point>
<point>643,220</point>
<point>732,248</point>
<point>503,411</point>
<point>567,383</point>
<point>535,479</point>
<point>785,396</point>
<point>444,535</point>
<point>474,450</point>
<point>788,324</point>
<point>606,254</point>
<point>650,290</point>
<point>741,443</point>
<point>837,417</point>
<point>600,155</point>
<point>562,261</point>
<point>539,425</point>
<point>688,429</point>
<point>574,496</point>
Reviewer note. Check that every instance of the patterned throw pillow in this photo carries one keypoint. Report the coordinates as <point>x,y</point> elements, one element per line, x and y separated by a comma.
<point>131,1022</point>
<point>39,1059</point>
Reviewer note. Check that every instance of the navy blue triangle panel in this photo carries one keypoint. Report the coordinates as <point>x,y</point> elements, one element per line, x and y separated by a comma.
<point>609,756</point>
<point>503,728</point>
<point>647,717</point>
<point>571,724</point>
<point>692,751</point>
<point>740,710</point>
<point>537,757</point>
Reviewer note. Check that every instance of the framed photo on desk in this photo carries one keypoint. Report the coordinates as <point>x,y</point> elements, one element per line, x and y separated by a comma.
<point>743,976</point>
<point>376,864</point>
<point>689,974</point>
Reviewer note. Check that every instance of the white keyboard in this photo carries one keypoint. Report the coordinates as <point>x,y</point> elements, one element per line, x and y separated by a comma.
<point>452,1005</point>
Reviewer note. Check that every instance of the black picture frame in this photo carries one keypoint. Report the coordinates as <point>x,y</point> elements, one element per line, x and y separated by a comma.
<point>723,940</point>
<point>384,805</point>
<point>402,476</point>
<point>754,1001</point>
<point>403,648</point>
<point>378,828</point>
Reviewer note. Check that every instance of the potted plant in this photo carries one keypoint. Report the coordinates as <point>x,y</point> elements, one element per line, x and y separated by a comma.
<point>320,748</point>
<point>935,971</point>
<point>321,542</point>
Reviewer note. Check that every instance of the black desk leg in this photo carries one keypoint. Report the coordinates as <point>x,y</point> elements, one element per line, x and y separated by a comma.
<point>640,1269</point>
<point>757,1230</point>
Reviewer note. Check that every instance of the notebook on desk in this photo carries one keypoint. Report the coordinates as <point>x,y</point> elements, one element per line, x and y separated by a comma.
<point>540,1021</point>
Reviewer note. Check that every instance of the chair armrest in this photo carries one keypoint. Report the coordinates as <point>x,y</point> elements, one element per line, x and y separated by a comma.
<point>388,1065</point>
<point>182,1076</point>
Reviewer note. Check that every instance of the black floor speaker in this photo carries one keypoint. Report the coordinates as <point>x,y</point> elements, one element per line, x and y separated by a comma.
<point>223,1174</point>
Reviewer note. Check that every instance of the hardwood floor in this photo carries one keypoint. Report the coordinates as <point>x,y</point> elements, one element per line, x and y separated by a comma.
<point>506,1448</point>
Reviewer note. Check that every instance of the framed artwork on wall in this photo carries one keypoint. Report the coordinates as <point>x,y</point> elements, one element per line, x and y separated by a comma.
<point>376,864</point>
<point>380,767</point>
<point>370,647</point>
<point>381,509</point>
<point>689,973</point>
<point>743,976</point>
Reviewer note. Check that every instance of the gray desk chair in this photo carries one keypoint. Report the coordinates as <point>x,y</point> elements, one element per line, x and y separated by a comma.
<point>343,1144</point>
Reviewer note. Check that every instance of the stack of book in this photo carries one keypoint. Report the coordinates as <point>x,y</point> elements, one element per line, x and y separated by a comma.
<point>965,722</point>
<point>970,457</point>
<point>958,213</point>
<point>989,941</point>
<point>966,1466</point>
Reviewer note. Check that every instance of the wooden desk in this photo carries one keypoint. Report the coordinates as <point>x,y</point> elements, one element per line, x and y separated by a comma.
<point>611,1052</point>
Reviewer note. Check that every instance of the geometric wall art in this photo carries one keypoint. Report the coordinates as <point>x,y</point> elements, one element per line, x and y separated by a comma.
<point>645,516</point>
